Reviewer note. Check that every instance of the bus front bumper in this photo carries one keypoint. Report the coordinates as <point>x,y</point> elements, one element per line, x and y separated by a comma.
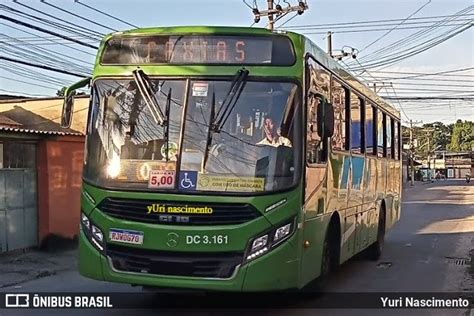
<point>276,270</point>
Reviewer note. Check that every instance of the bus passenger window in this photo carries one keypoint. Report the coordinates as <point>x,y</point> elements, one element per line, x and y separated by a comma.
<point>370,136</point>
<point>356,126</point>
<point>381,148</point>
<point>338,140</point>
<point>315,149</point>
<point>388,126</point>
<point>397,140</point>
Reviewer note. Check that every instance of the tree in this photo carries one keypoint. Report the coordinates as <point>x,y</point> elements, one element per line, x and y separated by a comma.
<point>60,92</point>
<point>463,136</point>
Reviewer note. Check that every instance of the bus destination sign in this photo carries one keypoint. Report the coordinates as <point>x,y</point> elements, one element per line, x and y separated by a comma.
<point>193,49</point>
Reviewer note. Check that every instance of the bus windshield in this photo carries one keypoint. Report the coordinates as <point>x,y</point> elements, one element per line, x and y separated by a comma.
<point>215,138</point>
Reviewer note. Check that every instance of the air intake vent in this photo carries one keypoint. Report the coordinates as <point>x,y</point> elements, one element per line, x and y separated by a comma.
<point>195,264</point>
<point>178,213</point>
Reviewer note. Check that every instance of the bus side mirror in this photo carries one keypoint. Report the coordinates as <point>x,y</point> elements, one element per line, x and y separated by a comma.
<point>68,104</point>
<point>326,119</point>
<point>68,107</point>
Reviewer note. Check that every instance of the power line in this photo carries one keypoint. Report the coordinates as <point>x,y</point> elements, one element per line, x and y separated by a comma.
<point>397,45</point>
<point>376,29</point>
<point>421,74</point>
<point>41,66</point>
<point>26,94</point>
<point>385,34</point>
<point>80,27</point>
<point>37,28</point>
<point>430,98</point>
<point>104,13</point>
<point>30,83</point>
<point>368,22</point>
<point>77,15</point>
<point>47,51</point>
<point>82,31</point>
<point>397,56</point>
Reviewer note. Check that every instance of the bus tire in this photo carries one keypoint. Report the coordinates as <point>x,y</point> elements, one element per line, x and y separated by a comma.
<point>375,250</point>
<point>329,258</point>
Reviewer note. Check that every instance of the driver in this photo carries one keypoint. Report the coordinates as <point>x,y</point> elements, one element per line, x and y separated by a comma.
<point>272,136</point>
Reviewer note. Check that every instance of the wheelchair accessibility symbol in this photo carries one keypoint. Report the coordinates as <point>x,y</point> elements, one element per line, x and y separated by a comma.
<point>188,180</point>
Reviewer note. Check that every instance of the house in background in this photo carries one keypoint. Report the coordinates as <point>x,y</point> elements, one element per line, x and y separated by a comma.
<point>40,172</point>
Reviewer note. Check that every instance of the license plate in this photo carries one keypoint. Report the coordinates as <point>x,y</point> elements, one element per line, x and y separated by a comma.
<point>126,236</point>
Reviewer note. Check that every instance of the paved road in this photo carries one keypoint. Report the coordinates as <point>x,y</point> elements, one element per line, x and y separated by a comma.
<point>429,250</point>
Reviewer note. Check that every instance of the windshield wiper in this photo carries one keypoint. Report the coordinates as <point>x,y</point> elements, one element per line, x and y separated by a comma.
<point>209,133</point>
<point>148,95</point>
<point>230,100</point>
<point>217,121</point>
<point>166,127</point>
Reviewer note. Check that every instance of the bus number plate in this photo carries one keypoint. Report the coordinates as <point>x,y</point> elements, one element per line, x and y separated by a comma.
<point>126,236</point>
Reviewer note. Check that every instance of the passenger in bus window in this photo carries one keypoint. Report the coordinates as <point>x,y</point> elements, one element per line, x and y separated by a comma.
<point>272,136</point>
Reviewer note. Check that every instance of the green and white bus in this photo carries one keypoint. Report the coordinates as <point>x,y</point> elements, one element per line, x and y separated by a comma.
<point>230,159</point>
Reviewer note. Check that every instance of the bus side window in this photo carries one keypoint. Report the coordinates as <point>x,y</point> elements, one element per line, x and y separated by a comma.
<point>388,127</point>
<point>338,140</point>
<point>316,150</point>
<point>381,138</point>
<point>398,142</point>
<point>370,136</point>
<point>356,124</point>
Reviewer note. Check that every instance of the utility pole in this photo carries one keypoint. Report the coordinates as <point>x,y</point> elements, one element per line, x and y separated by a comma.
<point>329,37</point>
<point>271,23</point>
<point>412,155</point>
<point>278,11</point>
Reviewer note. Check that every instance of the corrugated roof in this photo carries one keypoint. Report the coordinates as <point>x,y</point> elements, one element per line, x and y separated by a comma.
<point>6,121</point>
<point>32,131</point>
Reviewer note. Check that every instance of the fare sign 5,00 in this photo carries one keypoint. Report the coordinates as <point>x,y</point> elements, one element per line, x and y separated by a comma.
<point>162,179</point>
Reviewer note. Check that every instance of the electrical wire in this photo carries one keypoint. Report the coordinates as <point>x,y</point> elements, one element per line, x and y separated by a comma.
<point>351,24</point>
<point>69,23</point>
<point>105,13</point>
<point>385,34</point>
<point>51,41</point>
<point>77,16</point>
<point>37,28</point>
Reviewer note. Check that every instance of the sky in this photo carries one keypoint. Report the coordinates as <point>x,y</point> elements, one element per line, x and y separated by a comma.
<point>455,53</point>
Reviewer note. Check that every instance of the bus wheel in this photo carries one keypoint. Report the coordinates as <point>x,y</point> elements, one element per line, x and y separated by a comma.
<point>375,250</point>
<point>328,262</point>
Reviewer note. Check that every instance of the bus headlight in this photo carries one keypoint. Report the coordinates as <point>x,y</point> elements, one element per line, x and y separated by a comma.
<point>282,232</point>
<point>93,233</point>
<point>85,222</point>
<point>270,240</point>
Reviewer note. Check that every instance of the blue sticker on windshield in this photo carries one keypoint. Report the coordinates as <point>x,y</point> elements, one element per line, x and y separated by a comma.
<point>187,180</point>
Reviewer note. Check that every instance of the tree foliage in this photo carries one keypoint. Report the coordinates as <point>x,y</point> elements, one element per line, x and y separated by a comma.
<point>462,136</point>
<point>430,137</point>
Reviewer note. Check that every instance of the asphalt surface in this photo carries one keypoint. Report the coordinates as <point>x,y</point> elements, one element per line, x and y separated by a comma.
<point>431,249</point>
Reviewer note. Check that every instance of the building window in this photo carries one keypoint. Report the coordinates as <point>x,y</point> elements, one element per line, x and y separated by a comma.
<point>15,154</point>
<point>339,97</point>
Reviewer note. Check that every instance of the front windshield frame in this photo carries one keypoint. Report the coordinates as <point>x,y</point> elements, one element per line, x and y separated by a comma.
<point>298,104</point>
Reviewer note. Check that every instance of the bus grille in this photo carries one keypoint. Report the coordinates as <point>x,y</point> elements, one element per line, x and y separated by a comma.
<point>192,264</point>
<point>137,211</point>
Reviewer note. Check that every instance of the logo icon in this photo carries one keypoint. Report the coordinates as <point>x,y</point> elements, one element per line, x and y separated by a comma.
<point>17,300</point>
<point>188,180</point>
<point>173,240</point>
